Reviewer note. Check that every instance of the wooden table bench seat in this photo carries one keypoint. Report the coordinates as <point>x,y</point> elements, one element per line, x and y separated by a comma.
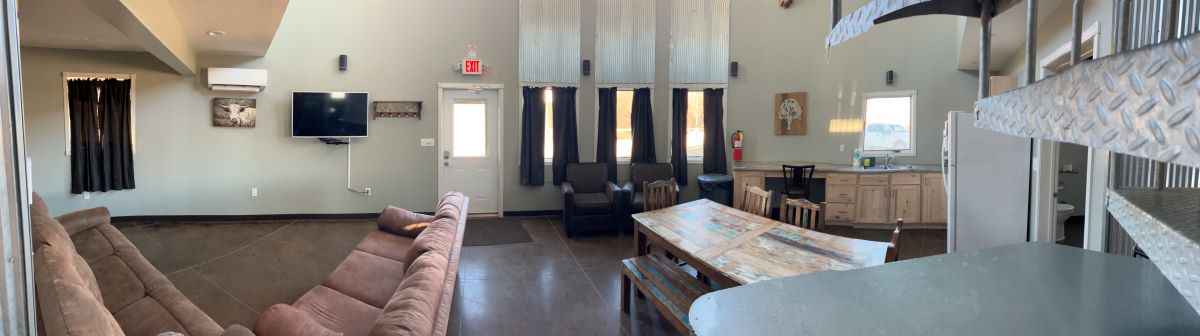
<point>670,288</point>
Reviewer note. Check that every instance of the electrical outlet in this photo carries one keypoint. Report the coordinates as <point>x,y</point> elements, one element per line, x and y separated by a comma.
<point>87,195</point>
<point>254,192</point>
<point>368,190</point>
<point>427,142</point>
<point>842,147</point>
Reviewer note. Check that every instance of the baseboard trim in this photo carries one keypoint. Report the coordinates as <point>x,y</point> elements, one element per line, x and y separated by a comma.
<point>532,213</point>
<point>243,218</point>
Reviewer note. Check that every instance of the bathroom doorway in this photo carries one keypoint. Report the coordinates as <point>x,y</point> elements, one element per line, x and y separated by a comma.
<point>1072,194</point>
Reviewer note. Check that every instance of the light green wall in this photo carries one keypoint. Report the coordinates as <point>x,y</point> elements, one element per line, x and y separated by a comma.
<point>400,50</point>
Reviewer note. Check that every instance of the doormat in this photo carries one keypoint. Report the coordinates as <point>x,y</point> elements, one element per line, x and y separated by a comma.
<point>495,231</point>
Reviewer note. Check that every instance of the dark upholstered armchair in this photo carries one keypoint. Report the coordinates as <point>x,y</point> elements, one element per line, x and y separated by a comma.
<point>590,201</point>
<point>645,172</point>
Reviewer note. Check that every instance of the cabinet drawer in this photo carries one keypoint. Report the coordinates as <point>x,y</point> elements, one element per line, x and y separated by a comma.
<point>839,212</point>
<point>906,178</point>
<point>841,179</point>
<point>840,193</point>
<point>873,179</point>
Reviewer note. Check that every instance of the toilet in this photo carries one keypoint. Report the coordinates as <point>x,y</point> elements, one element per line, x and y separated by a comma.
<point>1062,213</point>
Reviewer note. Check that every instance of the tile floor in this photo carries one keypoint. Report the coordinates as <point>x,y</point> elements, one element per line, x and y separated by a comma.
<point>550,286</point>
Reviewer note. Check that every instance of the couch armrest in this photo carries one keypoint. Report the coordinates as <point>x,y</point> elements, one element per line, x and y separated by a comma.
<point>83,220</point>
<point>284,320</point>
<point>568,191</point>
<point>612,191</point>
<point>628,187</point>
<point>237,330</point>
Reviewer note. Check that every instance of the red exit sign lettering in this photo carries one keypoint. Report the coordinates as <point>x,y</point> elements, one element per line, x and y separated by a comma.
<point>472,67</point>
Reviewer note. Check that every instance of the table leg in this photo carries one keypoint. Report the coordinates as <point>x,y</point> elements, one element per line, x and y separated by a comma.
<point>640,240</point>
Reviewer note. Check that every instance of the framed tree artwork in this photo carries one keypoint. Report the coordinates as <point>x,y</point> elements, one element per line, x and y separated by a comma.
<point>791,113</point>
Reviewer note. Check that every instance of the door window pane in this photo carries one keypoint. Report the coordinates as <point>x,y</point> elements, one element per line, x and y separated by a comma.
<point>624,123</point>
<point>695,124</point>
<point>470,130</point>
<point>888,124</point>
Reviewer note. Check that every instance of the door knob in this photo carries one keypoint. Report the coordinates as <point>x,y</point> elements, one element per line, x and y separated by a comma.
<point>445,154</point>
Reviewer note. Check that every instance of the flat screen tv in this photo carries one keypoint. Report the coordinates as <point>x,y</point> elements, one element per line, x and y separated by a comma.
<point>329,114</point>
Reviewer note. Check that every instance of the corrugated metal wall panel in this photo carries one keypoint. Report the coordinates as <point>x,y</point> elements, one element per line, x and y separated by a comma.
<point>699,41</point>
<point>549,41</point>
<point>625,32</point>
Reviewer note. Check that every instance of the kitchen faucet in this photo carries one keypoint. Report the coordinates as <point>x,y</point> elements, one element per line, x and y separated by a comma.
<point>887,161</point>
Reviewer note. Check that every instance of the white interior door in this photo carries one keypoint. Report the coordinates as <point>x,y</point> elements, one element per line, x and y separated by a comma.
<point>470,148</point>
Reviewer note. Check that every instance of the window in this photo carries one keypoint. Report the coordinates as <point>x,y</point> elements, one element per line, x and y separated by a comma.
<point>470,130</point>
<point>624,124</point>
<point>695,125</point>
<point>887,123</point>
<point>548,149</point>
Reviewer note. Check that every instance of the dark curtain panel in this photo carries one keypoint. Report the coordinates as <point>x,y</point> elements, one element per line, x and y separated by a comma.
<point>566,137</point>
<point>533,132</point>
<point>101,135</point>
<point>642,121</point>
<point>679,135</point>
<point>714,132</point>
<point>606,130</point>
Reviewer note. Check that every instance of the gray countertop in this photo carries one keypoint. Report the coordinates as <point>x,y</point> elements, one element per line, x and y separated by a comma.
<point>832,167</point>
<point>1024,289</point>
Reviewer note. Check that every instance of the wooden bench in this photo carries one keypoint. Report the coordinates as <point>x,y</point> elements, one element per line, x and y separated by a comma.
<point>670,288</point>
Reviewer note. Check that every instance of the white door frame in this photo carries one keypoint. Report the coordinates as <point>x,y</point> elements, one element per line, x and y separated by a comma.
<point>1043,216</point>
<point>442,87</point>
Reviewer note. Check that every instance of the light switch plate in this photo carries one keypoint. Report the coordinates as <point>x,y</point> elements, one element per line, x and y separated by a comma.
<point>426,142</point>
<point>253,192</point>
<point>842,147</point>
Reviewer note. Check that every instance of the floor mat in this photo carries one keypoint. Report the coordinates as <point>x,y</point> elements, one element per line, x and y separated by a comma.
<point>495,231</point>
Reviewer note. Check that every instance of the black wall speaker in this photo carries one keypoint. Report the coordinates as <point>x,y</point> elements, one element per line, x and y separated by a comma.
<point>343,62</point>
<point>586,67</point>
<point>733,69</point>
<point>890,77</point>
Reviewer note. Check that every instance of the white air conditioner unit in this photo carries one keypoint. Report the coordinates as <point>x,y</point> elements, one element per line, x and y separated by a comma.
<point>232,79</point>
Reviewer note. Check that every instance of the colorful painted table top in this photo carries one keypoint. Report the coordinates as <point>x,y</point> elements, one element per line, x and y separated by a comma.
<point>748,248</point>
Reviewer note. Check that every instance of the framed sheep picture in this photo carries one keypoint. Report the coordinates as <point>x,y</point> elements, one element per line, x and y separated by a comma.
<point>234,112</point>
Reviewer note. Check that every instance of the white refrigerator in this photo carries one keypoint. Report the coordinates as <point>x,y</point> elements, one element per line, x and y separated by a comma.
<point>987,185</point>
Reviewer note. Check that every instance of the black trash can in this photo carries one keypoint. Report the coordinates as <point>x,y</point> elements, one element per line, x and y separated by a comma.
<point>717,188</point>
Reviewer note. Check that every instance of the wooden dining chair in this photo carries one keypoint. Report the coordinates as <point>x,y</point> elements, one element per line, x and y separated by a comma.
<point>757,201</point>
<point>800,212</point>
<point>659,194</point>
<point>893,250</point>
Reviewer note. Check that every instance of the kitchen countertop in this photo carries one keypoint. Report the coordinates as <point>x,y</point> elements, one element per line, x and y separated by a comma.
<point>777,166</point>
<point>1023,289</point>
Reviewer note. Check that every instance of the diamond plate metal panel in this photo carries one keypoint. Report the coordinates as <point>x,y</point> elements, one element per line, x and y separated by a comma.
<point>1141,103</point>
<point>1165,224</point>
<point>863,19</point>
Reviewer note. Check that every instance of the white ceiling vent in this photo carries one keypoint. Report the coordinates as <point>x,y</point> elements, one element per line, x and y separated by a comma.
<point>241,80</point>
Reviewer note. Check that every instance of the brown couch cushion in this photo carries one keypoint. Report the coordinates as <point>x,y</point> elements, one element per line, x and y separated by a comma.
<point>351,278</point>
<point>385,245</point>
<point>449,206</point>
<point>147,317</point>
<point>403,222</point>
<point>336,311</point>
<point>47,230</point>
<point>66,306</point>
<point>413,308</point>
<point>285,320</point>
<point>438,238</point>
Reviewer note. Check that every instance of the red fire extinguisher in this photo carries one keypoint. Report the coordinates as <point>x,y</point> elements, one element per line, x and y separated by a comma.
<point>736,140</point>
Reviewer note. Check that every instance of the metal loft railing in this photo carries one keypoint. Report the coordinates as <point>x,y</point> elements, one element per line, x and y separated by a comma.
<point>1142,103</point>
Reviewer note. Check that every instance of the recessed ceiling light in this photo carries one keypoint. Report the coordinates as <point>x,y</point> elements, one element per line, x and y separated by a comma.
<point>216,33</point>
<point>91,38</point>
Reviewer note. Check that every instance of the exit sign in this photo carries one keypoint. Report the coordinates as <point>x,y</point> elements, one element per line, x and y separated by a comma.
<point>472,67</point>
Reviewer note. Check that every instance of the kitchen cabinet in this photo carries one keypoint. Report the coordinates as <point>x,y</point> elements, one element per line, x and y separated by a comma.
<point>933,199</point>
<point>906,203</point>
<point>872,204</point>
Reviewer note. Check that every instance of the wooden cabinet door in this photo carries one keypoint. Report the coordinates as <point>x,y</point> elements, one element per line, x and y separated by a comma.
<point>906,203</point>
<point>933,199</point>
<point>872,206</point>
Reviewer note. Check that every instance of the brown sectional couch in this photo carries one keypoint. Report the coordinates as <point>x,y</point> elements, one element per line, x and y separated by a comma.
<point>91,280</point>
<point>390,284</point>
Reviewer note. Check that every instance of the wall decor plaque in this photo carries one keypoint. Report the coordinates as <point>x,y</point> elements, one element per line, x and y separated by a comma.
<point>791,113</point>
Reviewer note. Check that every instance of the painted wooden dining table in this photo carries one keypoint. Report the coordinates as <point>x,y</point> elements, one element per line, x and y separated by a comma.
<point>734,247</point>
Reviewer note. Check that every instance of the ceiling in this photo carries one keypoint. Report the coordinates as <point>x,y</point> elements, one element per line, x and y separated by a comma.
<point>1008,35</point>
<point>249,26</point>
<point>67,24</point>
